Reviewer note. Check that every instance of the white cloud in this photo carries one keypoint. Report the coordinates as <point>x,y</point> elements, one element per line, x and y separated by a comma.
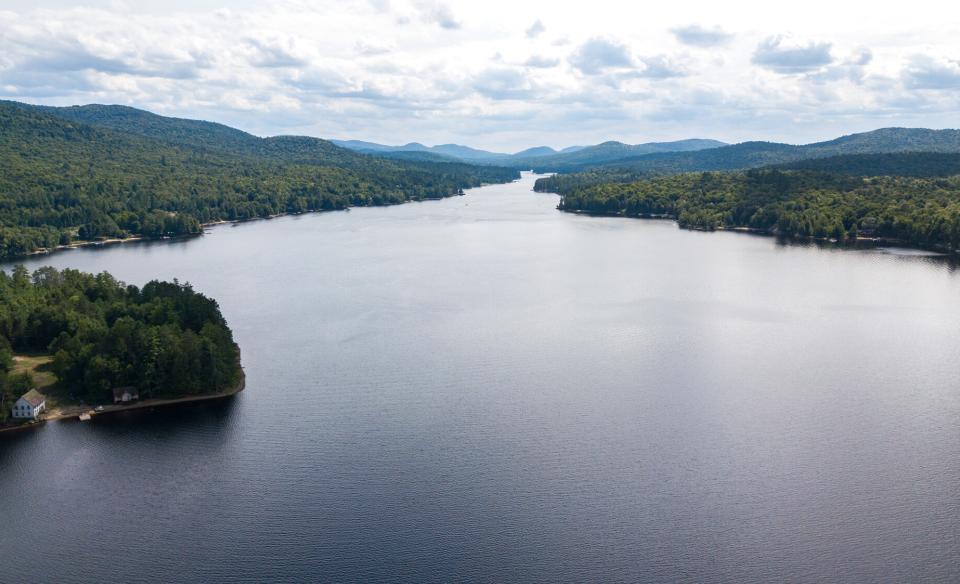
<point>440,14</point>
<point>541,62</point>
<point>371,48</point>
<point>777,56</point>
<point>853,68</point>
<point>925,72</point>
<point>599,54</point>
<point>661,67</point>
<point>698,36</point>
<point>402,70</point>
<point>503,83</point>
<point>276,52</point>
<point>536,29</point>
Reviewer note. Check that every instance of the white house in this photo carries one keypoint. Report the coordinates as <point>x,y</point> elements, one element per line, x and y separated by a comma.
<point>29,406</point>
<point>123,395</point>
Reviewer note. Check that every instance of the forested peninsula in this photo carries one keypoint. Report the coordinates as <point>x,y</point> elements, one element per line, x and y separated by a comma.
<point>842,198</point>
<point>90,173</point>
<point>93,334</point>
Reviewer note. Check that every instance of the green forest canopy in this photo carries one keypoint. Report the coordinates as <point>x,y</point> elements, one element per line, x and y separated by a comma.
<point>103,171</point>
<point>165,339</point>
<point>917,211</point>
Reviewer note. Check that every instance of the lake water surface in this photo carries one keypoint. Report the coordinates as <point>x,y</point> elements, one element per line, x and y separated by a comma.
<point>486,389</point>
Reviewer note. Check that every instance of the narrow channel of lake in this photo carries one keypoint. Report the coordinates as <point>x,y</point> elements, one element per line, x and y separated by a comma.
<point>485,389</point>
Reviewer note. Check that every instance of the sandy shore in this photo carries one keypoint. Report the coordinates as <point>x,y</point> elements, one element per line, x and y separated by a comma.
<point>67,412</point>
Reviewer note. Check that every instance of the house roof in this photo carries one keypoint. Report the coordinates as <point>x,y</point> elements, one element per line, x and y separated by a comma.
<point>33,397</point>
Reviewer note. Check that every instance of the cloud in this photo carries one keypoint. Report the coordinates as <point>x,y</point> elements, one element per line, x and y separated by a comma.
<point>541,62</point>
<point>924,72</point>
<point>852,69</point>
<point>862,57</point>
<point>76,59</point>
<point>439,14</point>
<point>503,83</point>
<point>324,81</point>
<point>46,84</point>
<point>698,36</point>
<point>598,54</point>
<point>72,55</point>
<point>347,69</point>
<point>536,29</point>
<point>275,53</point>
<point>371,48</point>
<point>660,67</point>
<point>786,60</point>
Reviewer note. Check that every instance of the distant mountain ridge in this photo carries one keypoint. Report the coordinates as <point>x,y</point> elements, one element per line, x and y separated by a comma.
<point>652,157</point>
<point>537,155</point>
<point>757,154</point>
<point>454,151</point>
<point>611,151</point>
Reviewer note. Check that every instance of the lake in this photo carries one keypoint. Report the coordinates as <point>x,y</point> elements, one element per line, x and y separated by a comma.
<point>485,389</point>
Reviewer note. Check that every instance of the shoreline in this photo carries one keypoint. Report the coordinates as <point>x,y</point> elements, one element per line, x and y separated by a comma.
<point>75,411</point>
<point>877,242</point>
<point>203,226</point>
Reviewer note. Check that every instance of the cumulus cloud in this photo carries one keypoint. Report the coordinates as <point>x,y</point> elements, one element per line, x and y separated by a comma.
<point>79,54</point>
<point>599,54</point>
<point>438,13</point>
<point>503,83</point>
<point>348,70</point>
<point>40,84</point>
<point>275,53</point>
<point>536,29</point>
<point>541,62</point>
<point>321,80</point>
<point>371,48</point>
<point>924,72</point>
<point>661,67</point>
<point>74,57</point>
<point>853,68</point>
<point>772,54</point>
<point>698,36</point>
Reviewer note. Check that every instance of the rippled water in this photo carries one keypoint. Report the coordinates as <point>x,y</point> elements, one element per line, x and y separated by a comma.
<point>485,389</point>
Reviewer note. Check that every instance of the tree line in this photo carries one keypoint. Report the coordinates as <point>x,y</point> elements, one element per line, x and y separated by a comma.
<point>923,212</point>
<point>63,180</point>
<point>164,339</point>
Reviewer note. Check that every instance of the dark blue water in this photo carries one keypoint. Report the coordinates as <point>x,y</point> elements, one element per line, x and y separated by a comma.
<point>485,389</point>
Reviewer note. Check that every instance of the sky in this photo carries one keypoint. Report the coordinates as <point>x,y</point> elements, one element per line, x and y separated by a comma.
<point>498,74</point>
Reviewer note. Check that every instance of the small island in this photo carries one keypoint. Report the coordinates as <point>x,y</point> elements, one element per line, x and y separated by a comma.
<point>74,345</point>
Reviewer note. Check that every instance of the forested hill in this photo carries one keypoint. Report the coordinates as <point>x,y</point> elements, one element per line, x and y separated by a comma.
<point>758,154</point>
<point>92,172</point>
<point>209,137</point>
<point>904,164</point>
<point>915,164</point>
<point>194,133</point>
